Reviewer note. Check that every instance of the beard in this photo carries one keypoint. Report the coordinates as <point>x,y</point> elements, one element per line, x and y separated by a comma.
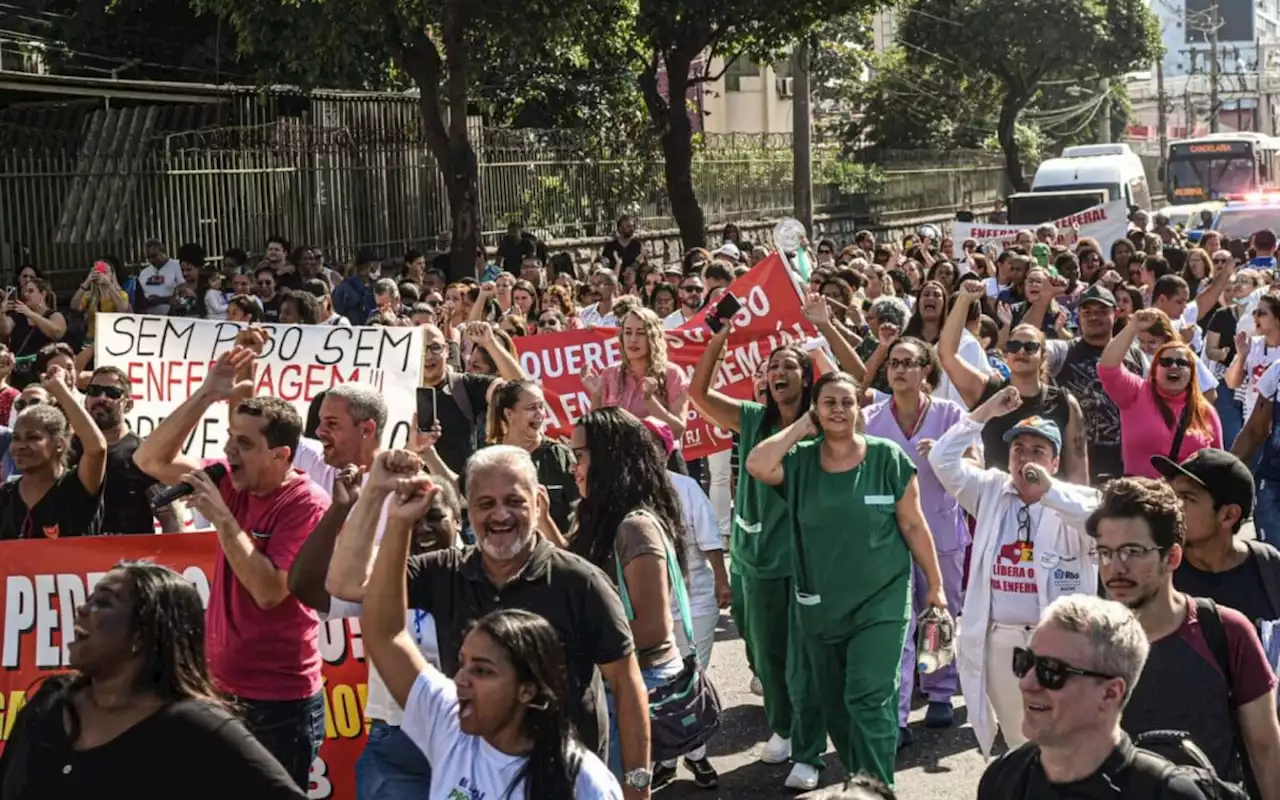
<point>509,550</point>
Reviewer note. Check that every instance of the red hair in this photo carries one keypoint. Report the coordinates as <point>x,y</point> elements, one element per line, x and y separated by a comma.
<point>1198,410</point>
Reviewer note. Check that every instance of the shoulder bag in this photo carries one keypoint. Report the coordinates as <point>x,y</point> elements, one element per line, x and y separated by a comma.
<point>684,712</point>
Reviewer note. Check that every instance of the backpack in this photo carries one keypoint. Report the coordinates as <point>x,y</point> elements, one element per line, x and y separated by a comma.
<point>1161,755</point>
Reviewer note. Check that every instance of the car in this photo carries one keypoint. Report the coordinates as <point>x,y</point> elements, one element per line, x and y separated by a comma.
<point>1242,217</point>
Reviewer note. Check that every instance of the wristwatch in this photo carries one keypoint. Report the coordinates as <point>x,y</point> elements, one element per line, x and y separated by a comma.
<point>638,779</point>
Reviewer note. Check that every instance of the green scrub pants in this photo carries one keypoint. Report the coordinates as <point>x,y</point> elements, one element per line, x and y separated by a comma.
<point>792,704</point>
<point>864,670</point>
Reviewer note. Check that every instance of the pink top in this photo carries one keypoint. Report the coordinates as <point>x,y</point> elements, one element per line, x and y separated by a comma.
<point>1143,432</point>
<point>253,652</point>
<point>631,397</point>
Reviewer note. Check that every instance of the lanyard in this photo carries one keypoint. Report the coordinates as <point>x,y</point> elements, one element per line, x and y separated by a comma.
<point>418,617</point>
<point>920,412</point>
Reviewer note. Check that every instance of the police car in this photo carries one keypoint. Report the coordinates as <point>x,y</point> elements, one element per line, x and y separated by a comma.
<point>1245,215</point>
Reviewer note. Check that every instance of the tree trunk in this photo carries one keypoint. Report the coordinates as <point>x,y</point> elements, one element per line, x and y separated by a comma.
<point>1006,133</point>
<point>671,119</point>
<point>462,177</point>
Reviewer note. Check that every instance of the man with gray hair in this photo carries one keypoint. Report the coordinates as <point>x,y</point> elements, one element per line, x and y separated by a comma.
<point>1076,676</point>
<point>604,283</point>
<point>511,566</point>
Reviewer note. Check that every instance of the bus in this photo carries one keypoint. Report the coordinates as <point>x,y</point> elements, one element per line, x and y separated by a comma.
<point>1211,167</point>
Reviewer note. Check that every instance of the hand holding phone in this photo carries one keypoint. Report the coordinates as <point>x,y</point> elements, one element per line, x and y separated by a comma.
<point>427,408</point>
<point>722,312</point>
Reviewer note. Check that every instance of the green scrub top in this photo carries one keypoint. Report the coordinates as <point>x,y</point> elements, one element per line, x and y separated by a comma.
<point>850,549</point>
<point>761,543</point>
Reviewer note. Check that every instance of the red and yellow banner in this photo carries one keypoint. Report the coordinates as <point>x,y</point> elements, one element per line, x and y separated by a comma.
<point>771,316</point>
<point>44,582</point>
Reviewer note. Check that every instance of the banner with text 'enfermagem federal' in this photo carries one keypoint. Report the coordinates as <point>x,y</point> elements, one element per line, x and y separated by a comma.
<point>1106,223</point>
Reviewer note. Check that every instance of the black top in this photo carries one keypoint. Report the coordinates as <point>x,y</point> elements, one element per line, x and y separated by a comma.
<point>628,254</point>
<point>188,749</point>
<point>461,432</point>
<point>576,598</point>
<point>67,509</point>
<point>1078,374</point>
<point>1019,775</point>
<point>271,308</point>
<point>555,472</point>
<point>1241,588</point>
<point>26,339</point>
<point>126,506</point>
<point>1051,403</point>
<point>1224,321</point>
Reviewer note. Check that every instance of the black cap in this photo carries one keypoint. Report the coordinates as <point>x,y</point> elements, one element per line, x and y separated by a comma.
<point>1098,293</point>
<point>367,255</point>
<point>1226,478</point>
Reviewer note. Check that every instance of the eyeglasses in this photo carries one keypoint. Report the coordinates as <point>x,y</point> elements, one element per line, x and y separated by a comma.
<point>436,349</point>
<point>264,283</point>
<point>98,390</point>
<point>1223,260</point>
<point>21,404</point>
<point>1169,362</point>
<point>905,363</point>
<point>1126,553</point>
<point>1018,346</point>
<point>1051,673</point>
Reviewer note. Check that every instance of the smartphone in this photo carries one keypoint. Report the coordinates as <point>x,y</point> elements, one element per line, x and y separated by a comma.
<point>101,267</point>
<point>426,408</point>
<point>726,308</point>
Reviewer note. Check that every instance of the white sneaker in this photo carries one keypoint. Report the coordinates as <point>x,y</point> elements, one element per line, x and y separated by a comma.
<point>776,751</point>
<point>757,688</point>
<point>803,778</point>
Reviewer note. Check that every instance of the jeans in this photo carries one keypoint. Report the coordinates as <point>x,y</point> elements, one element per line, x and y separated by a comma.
<point>1230,412</point>
<point>291,730</point>
<point>391,766</point>
<point>1266,511</point>
<point>653,677</point>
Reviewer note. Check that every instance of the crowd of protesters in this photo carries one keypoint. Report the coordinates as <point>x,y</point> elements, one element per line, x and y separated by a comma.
<point>1002,432</point>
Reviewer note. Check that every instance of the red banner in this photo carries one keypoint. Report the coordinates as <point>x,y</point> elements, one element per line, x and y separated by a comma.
<point>771,316</point>
<point>46,580</point>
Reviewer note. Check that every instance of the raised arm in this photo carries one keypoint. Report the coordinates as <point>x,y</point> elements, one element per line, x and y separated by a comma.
<point>724,411</point>
<point>481,334</point>
<point>1115,351</point>
<point>311,565</point>
<point>386,598</point>
<point>968,379</point>
<point>1207,298</point>
<point>357,544</point>
<point>1235,372</point>
<point>765,461</point>
<point>817,311</point>
<point>160,454</point>
<point>92,469</point>
<point>1075,450</point>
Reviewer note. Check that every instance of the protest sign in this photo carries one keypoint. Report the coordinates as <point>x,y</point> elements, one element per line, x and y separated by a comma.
<point>771,315</point>
<point>44,582</point>
<point>167,358</point>
<point>1106,223</point>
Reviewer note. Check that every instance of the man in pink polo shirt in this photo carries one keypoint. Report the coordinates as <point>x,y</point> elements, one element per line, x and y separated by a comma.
<point>261,641</point>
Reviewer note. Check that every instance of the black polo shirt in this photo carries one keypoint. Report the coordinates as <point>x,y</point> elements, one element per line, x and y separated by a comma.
<point>1019,775</point>
<point>575,597</point>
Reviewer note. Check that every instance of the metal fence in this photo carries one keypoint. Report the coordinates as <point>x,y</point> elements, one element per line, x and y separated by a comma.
<point>341,177</point>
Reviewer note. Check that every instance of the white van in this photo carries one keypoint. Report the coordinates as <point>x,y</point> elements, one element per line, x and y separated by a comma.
<point>1113,167</point>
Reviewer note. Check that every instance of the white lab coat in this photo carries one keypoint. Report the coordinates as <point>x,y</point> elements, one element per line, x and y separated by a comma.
<point>1062,553</point>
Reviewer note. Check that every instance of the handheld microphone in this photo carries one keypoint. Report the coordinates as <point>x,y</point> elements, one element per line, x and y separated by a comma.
<point>216,472</point>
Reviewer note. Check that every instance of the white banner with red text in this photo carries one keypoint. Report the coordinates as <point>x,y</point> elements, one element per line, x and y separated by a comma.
<point>167,358</point>
<point>1106,223</point>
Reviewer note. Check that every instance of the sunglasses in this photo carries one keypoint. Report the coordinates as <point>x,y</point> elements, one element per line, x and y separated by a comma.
<point>549,322</point>
<point>1016,346</point>
<point>265,283</point>
<point>1051,673</point>
<point>692,289</point>
<point>1169,362</point>
<point>97,390</point>
<point>21,404</point>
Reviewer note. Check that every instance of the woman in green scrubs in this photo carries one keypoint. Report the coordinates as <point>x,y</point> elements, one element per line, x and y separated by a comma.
<point>856,522</point>
<point>760,558</point>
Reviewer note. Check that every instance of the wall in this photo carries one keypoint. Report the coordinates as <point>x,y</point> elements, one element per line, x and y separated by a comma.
<point>754,107</point>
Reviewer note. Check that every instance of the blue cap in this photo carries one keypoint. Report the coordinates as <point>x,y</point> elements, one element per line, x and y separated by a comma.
<point>1036,426</point>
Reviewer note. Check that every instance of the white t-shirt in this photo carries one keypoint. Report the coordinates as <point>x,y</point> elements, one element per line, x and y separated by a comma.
<point>1015,599</point>
<point>972,353</point>
<point>993,287</point>
<point>310,459</point>
<point>1269,384</point>
<point>591,316</point>
<point>674,320</point>
<point>702,534</point>
<point>1255,365</point>
<point>465,766</point>
<point>338,320</point>
<point>160,283</point>
<point>1189,321</point>
<point>422,629</point>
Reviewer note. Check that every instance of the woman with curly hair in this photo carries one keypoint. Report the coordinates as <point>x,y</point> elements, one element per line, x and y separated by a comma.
<point>629,524</point>
<point>645,383</point>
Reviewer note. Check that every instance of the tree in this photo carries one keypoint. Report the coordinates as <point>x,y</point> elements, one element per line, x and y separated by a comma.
<point>442,47</point>
<point>683,41</point>
<point>1091,40</point>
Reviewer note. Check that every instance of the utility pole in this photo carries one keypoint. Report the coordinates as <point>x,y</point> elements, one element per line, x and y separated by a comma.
<point>1162,114</point>
<point>1214,110</point>
<point>802,135</point>
<point>1104,112</point>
